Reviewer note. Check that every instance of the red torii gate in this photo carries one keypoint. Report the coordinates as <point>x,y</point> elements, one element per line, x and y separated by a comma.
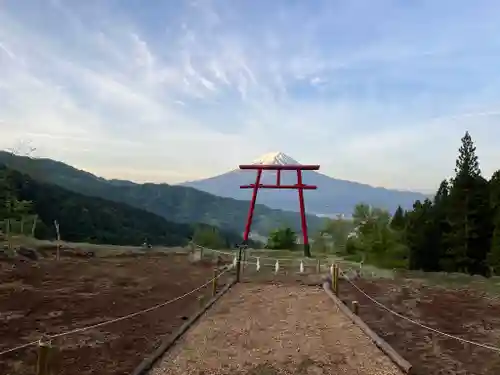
<point>300,186</point>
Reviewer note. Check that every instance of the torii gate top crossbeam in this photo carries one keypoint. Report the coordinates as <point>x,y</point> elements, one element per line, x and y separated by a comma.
<point>273,167</point>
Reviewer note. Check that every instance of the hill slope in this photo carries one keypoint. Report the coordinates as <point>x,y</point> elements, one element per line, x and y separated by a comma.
<point>89,219</point>
<point>175,203</point>
<point>333,196</point>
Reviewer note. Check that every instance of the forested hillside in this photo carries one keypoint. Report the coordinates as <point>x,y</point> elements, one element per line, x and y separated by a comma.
<point>89,219</point>
<point>174,203</point>
<point>457,231</point>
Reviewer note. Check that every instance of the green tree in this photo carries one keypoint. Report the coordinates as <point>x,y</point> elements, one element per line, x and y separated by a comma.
<point>339,229</point>
<point>421,237</point>
<point>209,237</point>
<point>398,221</point>
<point>467,163</point>
<point>494,253</point>
<point>362,213</point>
<point>494,188</point>
<point>280,239</point>
<point>469,214</point>
<point>320,243</point>
<point>375,239</point>
<point>440,226</point>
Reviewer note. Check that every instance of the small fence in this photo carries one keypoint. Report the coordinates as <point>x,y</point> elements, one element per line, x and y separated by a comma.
<point>245,267</point>
<point>254,268</point>
<point>272,268</point>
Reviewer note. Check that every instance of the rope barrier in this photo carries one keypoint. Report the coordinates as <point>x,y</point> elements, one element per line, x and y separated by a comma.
<point>346,277</point>
<point>381,305</point>
<point>227,268</point>
<point>233,253</point>
<point>19,347</point>
<point>106,322</point>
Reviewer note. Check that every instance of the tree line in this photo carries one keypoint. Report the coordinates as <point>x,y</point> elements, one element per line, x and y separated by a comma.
<point>458,230</point>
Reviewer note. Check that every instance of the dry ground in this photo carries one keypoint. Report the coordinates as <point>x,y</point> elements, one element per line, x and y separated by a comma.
<point>465,312</point>
<point>51,297</point>
<point>259,329</point>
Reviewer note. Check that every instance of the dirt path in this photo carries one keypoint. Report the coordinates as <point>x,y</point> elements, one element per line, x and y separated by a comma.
<point>270,330</point>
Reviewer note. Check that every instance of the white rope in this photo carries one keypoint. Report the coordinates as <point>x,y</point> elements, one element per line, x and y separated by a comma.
<point>117,319</point>
<point>19,347</point>
<point>493,348</point>
<point>138,312</point>
<point>251,256</point>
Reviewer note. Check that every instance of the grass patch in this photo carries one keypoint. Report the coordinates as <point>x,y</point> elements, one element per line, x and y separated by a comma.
<point>287,254</point>
<point>99,250</point>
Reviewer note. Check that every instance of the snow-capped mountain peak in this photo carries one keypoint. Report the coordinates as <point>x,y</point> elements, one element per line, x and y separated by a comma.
<point>275,158</point>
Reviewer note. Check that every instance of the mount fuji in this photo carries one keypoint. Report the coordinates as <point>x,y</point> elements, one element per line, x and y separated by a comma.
<point>333,196</point>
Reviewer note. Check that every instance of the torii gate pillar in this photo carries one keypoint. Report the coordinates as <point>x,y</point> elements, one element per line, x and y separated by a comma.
<point>300,186</point>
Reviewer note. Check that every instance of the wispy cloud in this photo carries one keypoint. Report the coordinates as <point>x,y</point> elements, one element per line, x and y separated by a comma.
<point>379,92</point>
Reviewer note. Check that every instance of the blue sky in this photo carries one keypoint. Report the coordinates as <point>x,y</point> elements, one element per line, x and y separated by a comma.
<point>172,90</point>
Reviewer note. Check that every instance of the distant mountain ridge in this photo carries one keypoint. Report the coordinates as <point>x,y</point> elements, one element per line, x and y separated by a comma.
<point>175,203</point>
<point>333,196</point>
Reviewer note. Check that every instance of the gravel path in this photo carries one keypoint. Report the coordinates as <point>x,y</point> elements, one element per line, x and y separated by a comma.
<point>270,330</point>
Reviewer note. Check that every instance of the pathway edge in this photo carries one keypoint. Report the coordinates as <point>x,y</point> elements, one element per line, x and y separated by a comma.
<point>387,349</point>
<point>147,363</point>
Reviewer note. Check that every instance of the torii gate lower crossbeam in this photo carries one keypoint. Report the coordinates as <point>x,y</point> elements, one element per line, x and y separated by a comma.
<point>300,186</point>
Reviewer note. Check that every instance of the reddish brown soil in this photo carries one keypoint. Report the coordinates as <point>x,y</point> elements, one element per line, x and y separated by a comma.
<point>465,313</point>
<point>52,297</point>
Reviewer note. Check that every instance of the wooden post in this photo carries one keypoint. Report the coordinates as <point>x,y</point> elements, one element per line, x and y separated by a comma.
<point>33,228</point>
<point>214,283</point>
<point>355,307</point>
<point>332,276</point>
<point>336,279</point>
<point>243,260</point>
<point>318,266</point>
<point>43,361</point>
<point>58,254</point>
<point>7,233</point>
<point>238,264</point>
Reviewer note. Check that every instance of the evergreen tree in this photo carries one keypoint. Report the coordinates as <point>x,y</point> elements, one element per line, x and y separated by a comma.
<point>468,214</point>
<point>494,188</point>
<point>467,164</point>
<point>494,253</point>
<point>440,222</point>
<point>398,220</point>
<point>442,193</point>
<point>422,237</point>
<point>483,217</point>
